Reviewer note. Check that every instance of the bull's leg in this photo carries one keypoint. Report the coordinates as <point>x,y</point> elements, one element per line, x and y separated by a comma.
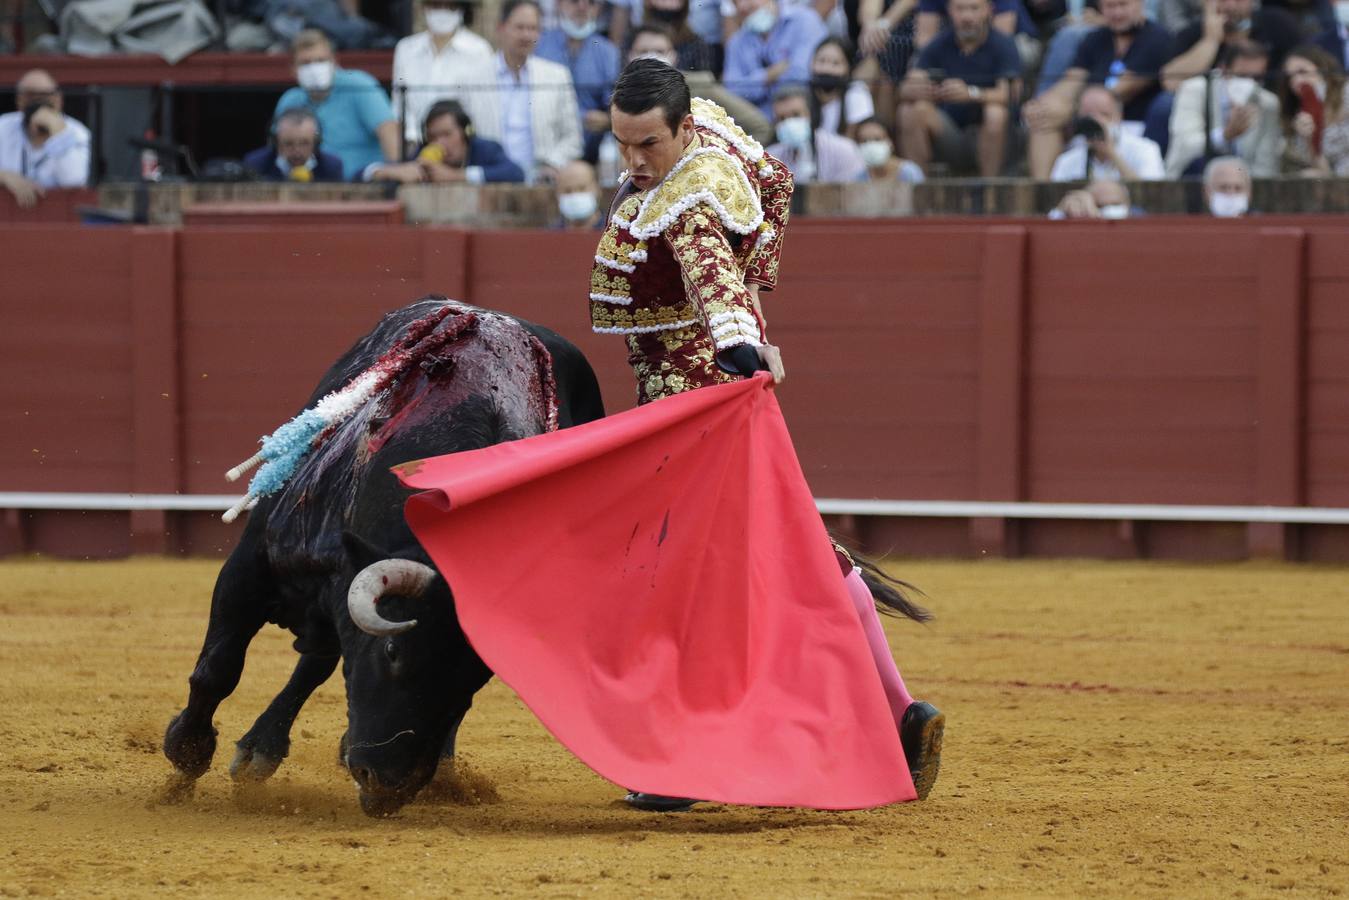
<point>237,612</point>
<point>448,752</point>
<point>267,743</point>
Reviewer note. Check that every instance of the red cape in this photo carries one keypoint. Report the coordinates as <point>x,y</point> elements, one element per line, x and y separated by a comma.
<point>659,589</point>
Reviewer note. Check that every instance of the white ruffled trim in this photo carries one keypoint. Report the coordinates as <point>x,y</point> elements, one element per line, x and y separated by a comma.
<point>753,149</point>
<point>688,201</point>
<point>614,264</point>
<point>737,341</point>
<point>611,298</point>
<point>736,315</point>
<point>766,235</point>
<point>644,329</point>
<point>637,256</point>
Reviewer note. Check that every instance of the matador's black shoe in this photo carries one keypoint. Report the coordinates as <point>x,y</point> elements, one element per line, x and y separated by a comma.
<point>921,733</point>
<point>657,802</point>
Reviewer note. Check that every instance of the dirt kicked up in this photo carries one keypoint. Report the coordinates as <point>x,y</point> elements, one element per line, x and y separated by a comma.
<point>1113,729</point>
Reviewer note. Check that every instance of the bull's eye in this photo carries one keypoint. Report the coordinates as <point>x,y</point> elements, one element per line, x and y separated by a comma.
<point>391,651</point>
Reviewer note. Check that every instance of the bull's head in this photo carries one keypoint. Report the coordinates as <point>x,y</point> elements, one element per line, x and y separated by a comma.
<point>410,675</point>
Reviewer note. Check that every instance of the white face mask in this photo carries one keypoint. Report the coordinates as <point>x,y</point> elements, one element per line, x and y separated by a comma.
<point>874,153</point>
<point>794,132</point>
<point>1115,211</point>
<point>668,60</point>
<point>444,21</point>
<point>761,21</point>
<point>1228,206</point>
<point>1240,89</point>
<point>578,206</point>
<point>316,76</point>
<point>577,32</point>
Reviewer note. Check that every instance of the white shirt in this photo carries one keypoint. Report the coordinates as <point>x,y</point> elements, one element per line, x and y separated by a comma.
<point>62,162</point>
<point>856,106</point>
<point>1141,155</point>
<point>517,133</point>
<point>431,75</point>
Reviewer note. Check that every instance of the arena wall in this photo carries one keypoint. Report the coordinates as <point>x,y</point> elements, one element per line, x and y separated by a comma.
<point>1176,362</point>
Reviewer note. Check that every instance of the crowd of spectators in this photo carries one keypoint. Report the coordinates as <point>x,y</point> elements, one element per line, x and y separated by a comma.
<point>841,90</point>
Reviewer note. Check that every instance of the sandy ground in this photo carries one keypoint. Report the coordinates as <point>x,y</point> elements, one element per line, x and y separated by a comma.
<point>1114,729</point>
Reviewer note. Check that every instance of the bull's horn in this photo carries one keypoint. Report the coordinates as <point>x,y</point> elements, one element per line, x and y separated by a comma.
<point>388,576</point>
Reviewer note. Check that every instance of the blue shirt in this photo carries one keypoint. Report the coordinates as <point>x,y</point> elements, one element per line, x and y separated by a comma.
<point>594,68</point>
<point>349,115</point>
<point>793,37</point>
<point>517,132</point>
<point>992,61</point>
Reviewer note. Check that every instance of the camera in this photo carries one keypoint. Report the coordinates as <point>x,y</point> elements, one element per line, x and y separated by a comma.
<point>1088,128</point>
<point>31,109</point>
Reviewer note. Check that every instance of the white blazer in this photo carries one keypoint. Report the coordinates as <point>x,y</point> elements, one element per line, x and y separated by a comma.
<point>555,122</point>
<point>1259,146</point>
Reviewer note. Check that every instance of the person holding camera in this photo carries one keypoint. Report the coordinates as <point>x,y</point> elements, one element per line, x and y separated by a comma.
<point>1101,149</point>
<point>41,147</point>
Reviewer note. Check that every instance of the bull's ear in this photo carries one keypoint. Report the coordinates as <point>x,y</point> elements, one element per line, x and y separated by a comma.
<point>361,552</point>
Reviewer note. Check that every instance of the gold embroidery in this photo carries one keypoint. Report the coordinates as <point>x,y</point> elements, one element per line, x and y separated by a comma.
<point>603,281</point>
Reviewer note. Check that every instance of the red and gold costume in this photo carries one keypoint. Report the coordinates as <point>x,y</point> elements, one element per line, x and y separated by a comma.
<point>673,265</point>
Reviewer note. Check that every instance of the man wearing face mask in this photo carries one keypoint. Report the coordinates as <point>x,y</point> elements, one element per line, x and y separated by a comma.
<point>41,147</point>
<point>773,46</point>
<point>431,63</point>
<point>812,154</point>
<point>357,121</point>
<point>578,194</point>
<point>1106,152</point>
<point>1227,187</point>
<point>593,61</point>
<point>1226,114</point>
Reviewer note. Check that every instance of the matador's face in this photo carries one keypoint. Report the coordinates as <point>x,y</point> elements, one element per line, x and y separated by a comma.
<point>649,148</point>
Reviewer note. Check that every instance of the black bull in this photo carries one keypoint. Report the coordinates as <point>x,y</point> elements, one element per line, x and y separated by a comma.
<point>342,511</point>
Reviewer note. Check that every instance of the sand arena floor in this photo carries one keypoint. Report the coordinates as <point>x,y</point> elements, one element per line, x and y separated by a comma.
<point>1114,729</point>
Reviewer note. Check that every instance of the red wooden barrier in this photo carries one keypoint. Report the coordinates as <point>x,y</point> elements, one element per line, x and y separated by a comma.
<point>1014,361</point>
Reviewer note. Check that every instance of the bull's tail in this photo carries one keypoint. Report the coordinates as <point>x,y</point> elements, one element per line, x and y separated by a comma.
<point>891,595</point>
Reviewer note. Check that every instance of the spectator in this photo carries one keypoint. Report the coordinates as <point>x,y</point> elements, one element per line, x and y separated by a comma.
<point>452,152</point>
<point>1125,55</point>
<point>1227,187</point>
<point>531,107</point>
<point>1177,15</point>
<point>884,33</point>
<point>1314,112</point>
<point>1334,35</point>
<point>1226,115</point>
<point>772,47</point>
<point>955,98</point>
<point>593,61</point>
<point>878,153</point>
<point>842,102</point>
<point>578,197</point>
<point>354,114</point>
<point>655,41</point>
<point>695,26</point>
<point>811,153</point>
<point>1101,150</point>
<point>40,146</point>
<point>1098,200</point>
<point>434,62</point>
<point>934,15</point>
<point>293,153</point>
<point>1225,23</point>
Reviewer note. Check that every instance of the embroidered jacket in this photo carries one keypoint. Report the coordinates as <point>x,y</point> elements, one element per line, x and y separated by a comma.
<point>682,253</point>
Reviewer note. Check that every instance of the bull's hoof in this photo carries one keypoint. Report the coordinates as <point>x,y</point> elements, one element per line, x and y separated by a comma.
<point>189,747</point>
<point>381,804</point>
<point>253,765</point>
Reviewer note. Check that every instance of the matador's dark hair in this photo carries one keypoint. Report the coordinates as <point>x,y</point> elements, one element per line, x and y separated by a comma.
<point>648,83</point>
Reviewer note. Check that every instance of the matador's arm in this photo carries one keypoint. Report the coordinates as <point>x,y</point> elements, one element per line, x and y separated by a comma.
<point>713,281</point>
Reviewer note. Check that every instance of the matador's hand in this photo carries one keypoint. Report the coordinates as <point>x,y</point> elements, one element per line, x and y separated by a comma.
<point>771,357</point>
